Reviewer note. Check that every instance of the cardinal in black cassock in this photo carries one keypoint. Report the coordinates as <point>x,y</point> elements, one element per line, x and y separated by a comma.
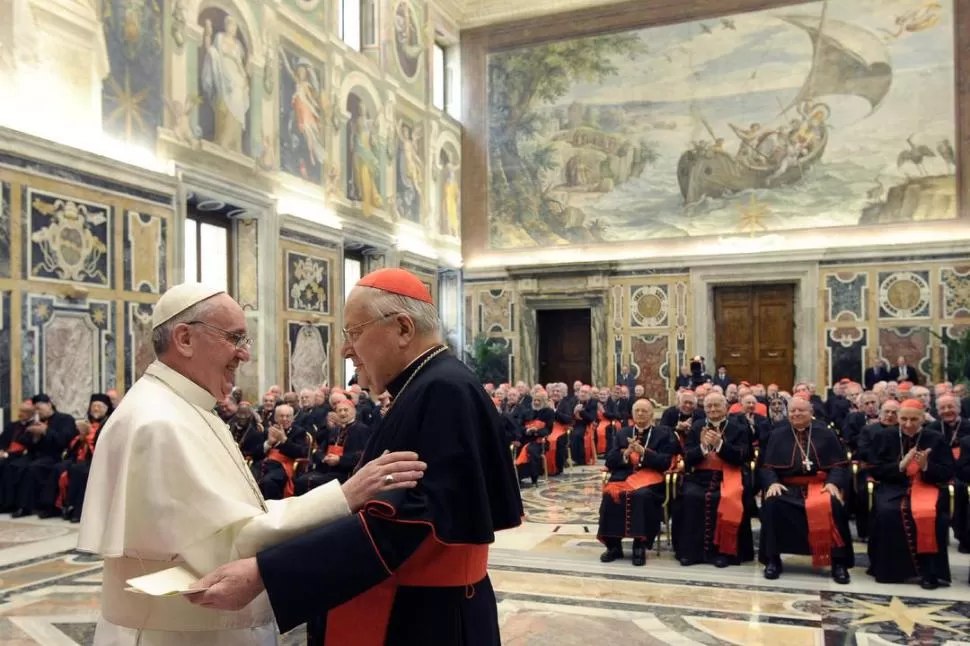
<point>558,443</point>
<point>712,517</point>
<point>805,475</point>
<point>537,424</point>
<point>633,499</point>
<point>581,447</point>
<point>910,515</point>
<point>954,428</point>
<point>410,567</point>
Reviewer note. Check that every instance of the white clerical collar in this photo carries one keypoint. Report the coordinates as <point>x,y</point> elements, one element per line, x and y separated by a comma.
<point>182,385</point>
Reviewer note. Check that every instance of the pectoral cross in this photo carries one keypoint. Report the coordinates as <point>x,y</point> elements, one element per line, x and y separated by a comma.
<point>807,463</point>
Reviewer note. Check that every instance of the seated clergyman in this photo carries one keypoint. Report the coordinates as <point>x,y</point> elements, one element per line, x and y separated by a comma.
<point>712,519</point>
<point>909,523</point>
<point>632,505</point>
<point>805,475</point>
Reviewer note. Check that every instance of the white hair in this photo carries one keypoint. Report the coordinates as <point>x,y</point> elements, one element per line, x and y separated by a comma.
<point>424,315</point>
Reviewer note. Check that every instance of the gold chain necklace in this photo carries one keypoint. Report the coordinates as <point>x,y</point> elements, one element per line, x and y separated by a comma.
<point>413,375</point>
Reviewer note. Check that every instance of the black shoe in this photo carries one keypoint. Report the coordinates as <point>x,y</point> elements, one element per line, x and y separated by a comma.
<point>639,556</point>
<point>611,554</point>
<point>963,548</point>
<point>76,518</point>
<point>773,570</point>
<point>721,561</point>
<point>20,513</point>
<point>840,574</point>
<point>67,512</point>
<point>46,513</point>
<point>685,562</point>
<point>929,582</point>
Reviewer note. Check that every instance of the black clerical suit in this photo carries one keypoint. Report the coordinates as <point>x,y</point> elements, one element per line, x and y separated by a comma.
<point>911,374</point>
<point>11,442</point>
<point>860,445</point>
<point>577,436</point>
<point>785,526</point>
<point>759,427</point>
<point>25,476</point>
<point>894,554</point>
<point>332,573</point>
<point>275,479</point>
<point>674,419</point>
<point>953,434</point>
<point>536,426</point>
<point>349,441</point>
<point>559,446</point>
<point>837,409</point>
<point>635,511</point>
<point>696,514</point>
<point>873,376</point>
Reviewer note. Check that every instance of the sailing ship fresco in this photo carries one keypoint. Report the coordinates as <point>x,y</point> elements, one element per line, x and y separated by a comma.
<point>825,114</point>
<point>848,60</point>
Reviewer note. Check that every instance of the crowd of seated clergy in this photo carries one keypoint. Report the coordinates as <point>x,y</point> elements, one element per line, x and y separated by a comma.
<point>293,442</point>
<point>895,458</point>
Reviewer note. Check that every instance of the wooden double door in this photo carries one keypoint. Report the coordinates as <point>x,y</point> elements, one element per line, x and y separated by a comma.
<point>565,346</point>
<point>755,333</point>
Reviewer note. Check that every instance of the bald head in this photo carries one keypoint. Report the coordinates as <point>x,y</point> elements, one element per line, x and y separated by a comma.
<point>715,406</point>
<point>642,413</point>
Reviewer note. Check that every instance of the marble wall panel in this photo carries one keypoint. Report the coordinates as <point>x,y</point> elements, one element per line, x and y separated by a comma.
<point>495,311</point>
<point>904,295</point>
<point>468,319</point>
<point>308,355</point>
<point>307,283</point>
<point>139,353</point>
<point>955,286</point>
<point>247,375</point>
<point>247,278</point>
<point>650,353</point>
<point>72,352</point>
<point>845,350</point>
<point>649,306</point>
<point>145,244</point>
<point>845,296</point>
<point>5,221</point>
<point>68,240</point>
<point>910,342</point>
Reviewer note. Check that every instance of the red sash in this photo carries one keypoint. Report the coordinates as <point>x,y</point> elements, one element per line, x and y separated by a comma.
<point>558,430</point>
<point>61,490</point>
<point>730,508</point>
<point>589,444</point>
<point>363,620</point>
<point>335,449</point>
<point>601,427</point>
<point>956,453</point>
<point>822,532</point>
<point>922,504</point>
<point>637,480</point>
<point>288,464</point>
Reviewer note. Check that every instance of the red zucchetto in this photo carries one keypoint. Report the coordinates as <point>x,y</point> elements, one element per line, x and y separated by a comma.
<point>912,403</point>
<point>397,281</point>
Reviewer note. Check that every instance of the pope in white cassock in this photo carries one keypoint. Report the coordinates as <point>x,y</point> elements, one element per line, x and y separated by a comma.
<point>168,485</point>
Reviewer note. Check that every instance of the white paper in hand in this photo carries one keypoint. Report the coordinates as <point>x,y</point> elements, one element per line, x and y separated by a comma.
<point>173,581</point>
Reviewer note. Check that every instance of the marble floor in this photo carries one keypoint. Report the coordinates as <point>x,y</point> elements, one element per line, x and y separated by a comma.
<point>553,590</point>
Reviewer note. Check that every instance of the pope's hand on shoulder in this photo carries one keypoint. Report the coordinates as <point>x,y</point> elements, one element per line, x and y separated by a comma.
<point>233,586</point>
<point>399,470</point>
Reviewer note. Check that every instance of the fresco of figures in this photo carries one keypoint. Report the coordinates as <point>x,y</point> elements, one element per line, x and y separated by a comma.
<point>305,115</point>
<point>224,82</point>
<point>449,208</point>
<point>409,177</point>
<point>822,114</point>
<point>365,155</point>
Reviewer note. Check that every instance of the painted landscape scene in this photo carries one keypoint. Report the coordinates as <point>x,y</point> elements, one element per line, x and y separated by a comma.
<point>823,114</point>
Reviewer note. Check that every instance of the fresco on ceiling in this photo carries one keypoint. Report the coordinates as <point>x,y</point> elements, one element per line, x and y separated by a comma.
<point>131,98</point>
<point>823,114</point>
